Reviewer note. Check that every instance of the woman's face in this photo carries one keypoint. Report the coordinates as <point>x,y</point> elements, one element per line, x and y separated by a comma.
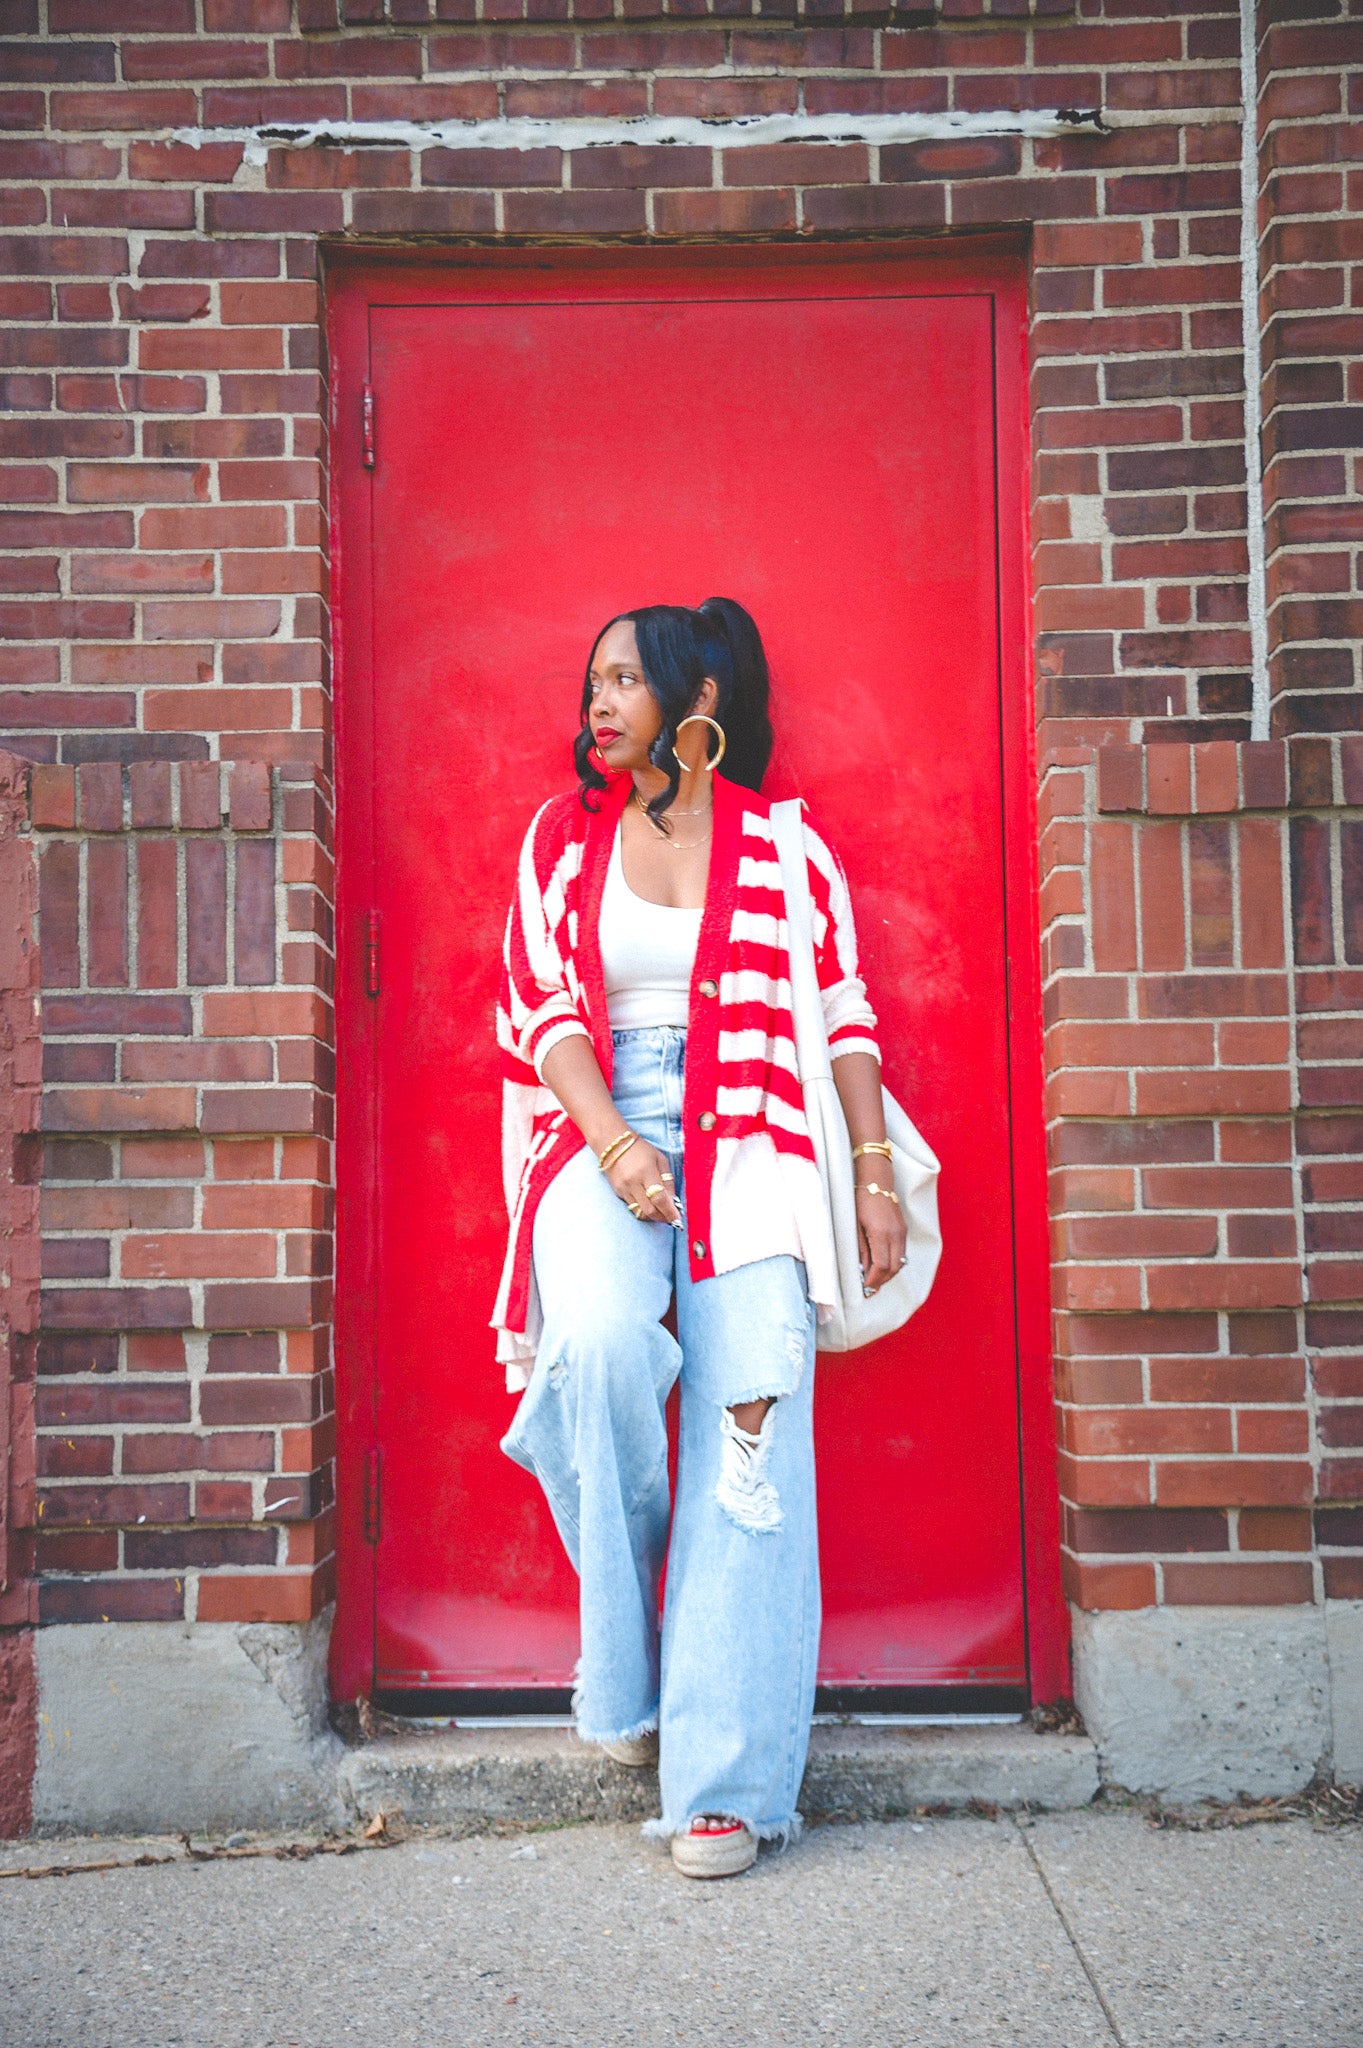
<point>624,718</point>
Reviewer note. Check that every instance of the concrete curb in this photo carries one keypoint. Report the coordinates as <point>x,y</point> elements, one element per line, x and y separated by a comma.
<point>521,1777</point>
<point>883,1773</point>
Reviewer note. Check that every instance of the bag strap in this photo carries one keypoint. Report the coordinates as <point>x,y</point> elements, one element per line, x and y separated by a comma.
<point>811,1035</point>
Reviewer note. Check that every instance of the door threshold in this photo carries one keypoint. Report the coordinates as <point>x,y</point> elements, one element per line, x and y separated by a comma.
<point>820,1720</point>
<point>917,1720</point>
<point>502,1721</point>
<point>855,1706</point>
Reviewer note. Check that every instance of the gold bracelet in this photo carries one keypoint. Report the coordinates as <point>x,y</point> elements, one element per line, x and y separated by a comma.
<point>616,1149</point>
<point>869,1187</point>
<point>881,1145</point>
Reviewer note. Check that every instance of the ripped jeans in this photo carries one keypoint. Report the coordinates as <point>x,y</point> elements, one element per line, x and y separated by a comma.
<point>730,1686</point>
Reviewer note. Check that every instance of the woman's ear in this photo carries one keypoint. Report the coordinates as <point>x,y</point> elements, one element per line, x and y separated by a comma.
<point>707,698</point>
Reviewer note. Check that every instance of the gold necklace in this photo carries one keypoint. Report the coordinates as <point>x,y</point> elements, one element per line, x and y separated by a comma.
<point>677,845</point>
<point>681,845</point>
<point>672,811</point>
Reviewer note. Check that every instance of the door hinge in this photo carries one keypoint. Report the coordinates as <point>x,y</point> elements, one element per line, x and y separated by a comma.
<point>367,425</point>
<point>371,955</point>
<point>371,1497</point>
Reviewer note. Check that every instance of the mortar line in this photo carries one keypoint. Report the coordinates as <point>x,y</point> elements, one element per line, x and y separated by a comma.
<point>1108,2014</point>
<point>1256,589</point>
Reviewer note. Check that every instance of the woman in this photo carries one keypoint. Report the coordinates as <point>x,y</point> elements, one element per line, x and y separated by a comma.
<point>655,1145</point>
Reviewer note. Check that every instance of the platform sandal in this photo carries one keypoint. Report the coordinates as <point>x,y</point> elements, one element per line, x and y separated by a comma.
<point>635,1752</point>
<point>715,1852</point>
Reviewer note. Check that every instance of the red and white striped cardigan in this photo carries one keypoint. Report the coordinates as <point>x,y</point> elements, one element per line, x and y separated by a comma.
<point>744,1111</point>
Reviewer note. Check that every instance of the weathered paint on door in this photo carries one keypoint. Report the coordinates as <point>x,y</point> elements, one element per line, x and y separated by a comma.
<point>838,446</point>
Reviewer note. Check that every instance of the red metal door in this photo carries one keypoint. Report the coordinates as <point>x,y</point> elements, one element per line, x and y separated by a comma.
<point>838,446</point>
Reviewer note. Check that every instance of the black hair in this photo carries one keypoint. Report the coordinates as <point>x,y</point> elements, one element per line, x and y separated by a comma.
<point>678,649</point>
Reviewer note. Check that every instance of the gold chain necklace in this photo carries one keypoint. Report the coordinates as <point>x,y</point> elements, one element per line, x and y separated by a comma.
<point>677,845</point>
<point>672,811</point>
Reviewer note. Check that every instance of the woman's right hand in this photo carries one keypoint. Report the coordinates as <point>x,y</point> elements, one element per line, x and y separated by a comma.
<point>571,1070</point>
<point>642,1178</point>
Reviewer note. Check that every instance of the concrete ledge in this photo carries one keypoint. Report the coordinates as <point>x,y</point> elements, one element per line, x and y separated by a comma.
<point>884,1773</point>
<point>467,1777</point>
<point>481,1777</point>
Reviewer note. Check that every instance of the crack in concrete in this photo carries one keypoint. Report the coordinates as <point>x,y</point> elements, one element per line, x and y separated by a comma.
<point>1108,2014</point>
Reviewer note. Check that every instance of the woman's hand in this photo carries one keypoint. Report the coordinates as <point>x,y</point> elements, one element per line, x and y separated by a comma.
<point>639,1173</point>
<point>856,1075</point>
<point>881,1229</point>
<point>642,1178</point>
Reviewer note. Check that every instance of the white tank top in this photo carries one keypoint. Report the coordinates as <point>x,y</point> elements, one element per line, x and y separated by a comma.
<point>647,953</point>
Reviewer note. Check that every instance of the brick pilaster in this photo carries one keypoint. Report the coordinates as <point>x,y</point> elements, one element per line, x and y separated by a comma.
<point>1310,137</point>
<point>184,1396</point>
<point>1205,1147</point>
<point>20,1077</point>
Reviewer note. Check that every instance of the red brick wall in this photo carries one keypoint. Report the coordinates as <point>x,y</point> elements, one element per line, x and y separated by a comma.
<point>20,1086</point>
<point>1206,1185</point>
<point>184,1404</point>
<point>163,599</point>
<point>1311,249</point>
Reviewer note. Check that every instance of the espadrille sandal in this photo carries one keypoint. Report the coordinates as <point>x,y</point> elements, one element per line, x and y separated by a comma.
<point>715,1852</point>
<point>636,1752</point>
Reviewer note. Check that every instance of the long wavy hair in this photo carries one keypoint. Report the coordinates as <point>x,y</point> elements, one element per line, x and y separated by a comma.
<point>678,649</point>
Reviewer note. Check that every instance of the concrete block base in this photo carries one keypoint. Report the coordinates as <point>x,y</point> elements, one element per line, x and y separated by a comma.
<point>1206,1702</point>
<point>519,1777</point>
<point>151,1725</point>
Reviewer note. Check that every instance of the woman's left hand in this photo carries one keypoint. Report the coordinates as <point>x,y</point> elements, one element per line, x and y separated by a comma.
<point>883,1236</point>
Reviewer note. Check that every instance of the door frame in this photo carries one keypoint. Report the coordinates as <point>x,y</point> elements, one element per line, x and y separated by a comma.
<point>360,279</point>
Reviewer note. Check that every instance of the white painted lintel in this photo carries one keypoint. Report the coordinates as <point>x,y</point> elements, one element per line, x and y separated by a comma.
<point>876,130</point>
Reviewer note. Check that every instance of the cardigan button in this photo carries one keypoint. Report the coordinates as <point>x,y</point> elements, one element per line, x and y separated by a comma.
<point>706,1119</point>
<point>698,1247</point>
<point>709,988</point>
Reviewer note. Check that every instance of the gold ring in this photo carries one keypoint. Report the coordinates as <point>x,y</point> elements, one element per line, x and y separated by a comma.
<point>668,1178</point>
<point>633,1208</point>
<point>656,1189</point>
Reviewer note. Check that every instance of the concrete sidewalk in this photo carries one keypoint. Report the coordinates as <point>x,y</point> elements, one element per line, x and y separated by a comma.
<point>1074,1930</point>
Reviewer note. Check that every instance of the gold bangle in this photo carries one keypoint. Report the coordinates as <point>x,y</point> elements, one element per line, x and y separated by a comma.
<point>881,1145</point>
<point>616,1149</point>
<point>869,1187</point>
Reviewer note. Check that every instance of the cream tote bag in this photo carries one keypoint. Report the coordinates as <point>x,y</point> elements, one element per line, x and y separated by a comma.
<point>857,1318</point>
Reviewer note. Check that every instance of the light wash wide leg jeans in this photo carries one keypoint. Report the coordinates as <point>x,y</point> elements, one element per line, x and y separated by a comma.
<point>730,1685</point>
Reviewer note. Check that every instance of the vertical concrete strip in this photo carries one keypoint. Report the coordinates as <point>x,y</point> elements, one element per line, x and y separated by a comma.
<point>19,1092</point>
<point>1344,1632</point>
<point>1257,595</point>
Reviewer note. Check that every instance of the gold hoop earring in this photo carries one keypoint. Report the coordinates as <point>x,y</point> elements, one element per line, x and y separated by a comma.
<point>699,718</point>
